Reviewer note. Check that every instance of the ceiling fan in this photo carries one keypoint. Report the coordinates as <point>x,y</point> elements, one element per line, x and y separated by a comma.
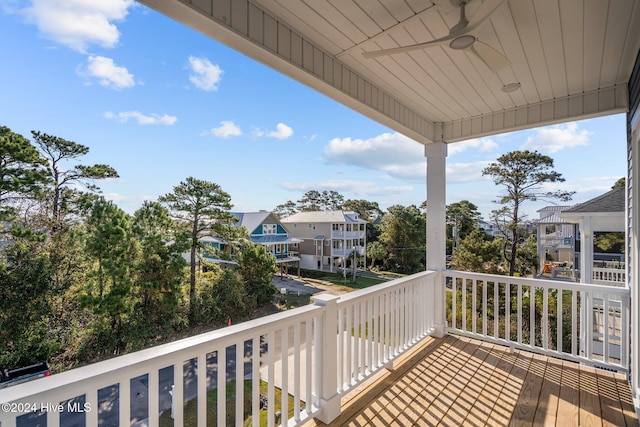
<point>461,37</point>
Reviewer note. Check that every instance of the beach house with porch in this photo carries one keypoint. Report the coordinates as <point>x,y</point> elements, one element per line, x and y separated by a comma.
<point>329,238</point>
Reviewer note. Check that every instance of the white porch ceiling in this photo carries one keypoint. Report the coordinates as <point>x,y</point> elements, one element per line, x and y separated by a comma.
<point>572,58</point>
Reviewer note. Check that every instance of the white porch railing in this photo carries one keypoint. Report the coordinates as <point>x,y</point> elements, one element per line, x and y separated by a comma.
<point>318,353</point>
<point>579,322</point>
<point>612,276</point>
<point>314,354</point>
<point>345,252</point>
<point>357,234</point>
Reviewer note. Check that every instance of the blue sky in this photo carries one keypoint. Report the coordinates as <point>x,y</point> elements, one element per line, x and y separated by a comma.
<point>160,102</point>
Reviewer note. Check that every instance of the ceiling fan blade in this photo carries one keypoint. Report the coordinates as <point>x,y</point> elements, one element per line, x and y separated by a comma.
<point>384,52</point>
<point>483,13</point>
<point>494,59</point>
<point>479,18</point>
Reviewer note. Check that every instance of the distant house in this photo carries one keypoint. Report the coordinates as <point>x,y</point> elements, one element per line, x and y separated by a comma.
<point>566,236</point>
<point>213,247</point>
<point>328,238</point>
<point>265,229</point>
<point>488,228</point>
<point>600,215</point>
<point>556,241</point>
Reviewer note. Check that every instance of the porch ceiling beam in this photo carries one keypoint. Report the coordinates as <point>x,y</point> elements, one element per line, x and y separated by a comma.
<point>596,103</point>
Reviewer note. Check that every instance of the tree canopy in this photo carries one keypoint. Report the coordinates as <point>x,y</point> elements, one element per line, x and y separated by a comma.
<point>462,219</point>
<point>403,231</point>
<point>58,152</point>
<point>22,172</point>
<point>202,207</point>
<point>522,174</point>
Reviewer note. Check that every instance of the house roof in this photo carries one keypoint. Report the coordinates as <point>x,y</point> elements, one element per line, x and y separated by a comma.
<point>211,239</point>
<point>552,219</point>
<point>331,217</point>
<point>553,208</point>
<point>252,220</point>
<point>612,201</point>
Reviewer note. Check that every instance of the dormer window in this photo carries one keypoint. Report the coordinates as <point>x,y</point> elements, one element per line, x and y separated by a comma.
<point>269,228</point>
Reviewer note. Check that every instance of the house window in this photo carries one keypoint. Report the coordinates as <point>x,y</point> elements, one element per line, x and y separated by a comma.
<point>312,226</point>
<point>269,228</point>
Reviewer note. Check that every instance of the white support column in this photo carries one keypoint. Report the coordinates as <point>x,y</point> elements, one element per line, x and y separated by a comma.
<point>586,251</point>
<point>436,154</point>
<point>326,358</point>
<point>633,258</point>
<point>586,276</point>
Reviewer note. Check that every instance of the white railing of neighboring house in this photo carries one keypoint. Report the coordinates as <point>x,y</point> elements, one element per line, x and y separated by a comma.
<point>613,276</point>
<point>595,319</point>
<point>556,242</point>
<point>345,252</point>
<point>357,234</point>
<point>314,354</point>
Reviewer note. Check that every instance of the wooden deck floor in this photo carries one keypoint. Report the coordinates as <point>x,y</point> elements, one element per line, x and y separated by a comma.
<point>456,381</point>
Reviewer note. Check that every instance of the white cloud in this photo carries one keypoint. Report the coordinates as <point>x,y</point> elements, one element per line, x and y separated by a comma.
<point>392,153</point>
<point>354,187</point>
<point>108,73</point>
<point>78,24</point>
<point>129,204</point>
<point>481,144</point>
<point>204,75</point>
<point>555,138</point>
<point>282,132</point>
<point>257,133</point>
<point>466,172</point>
<point>226,129</point>
<point>142,119</point>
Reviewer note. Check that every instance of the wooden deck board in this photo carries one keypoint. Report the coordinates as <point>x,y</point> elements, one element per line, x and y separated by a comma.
<point>569,403</point>
<point>589,399</point>
<point>525,409</point>
<point>610,404</point>
<point>547,409</point>
<point>462,381</point>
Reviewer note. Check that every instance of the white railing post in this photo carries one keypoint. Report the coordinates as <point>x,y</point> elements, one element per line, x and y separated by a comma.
<point>326,357</point>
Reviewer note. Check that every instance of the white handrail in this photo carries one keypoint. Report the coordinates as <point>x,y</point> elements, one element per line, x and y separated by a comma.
<point>295,351</point>
<point>318,353</point>
<point>609,275</point>
<point>592,328</point>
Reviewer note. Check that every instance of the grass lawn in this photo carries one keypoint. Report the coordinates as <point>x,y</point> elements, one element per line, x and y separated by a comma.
<point>291,300</point>
<point>191,407</point>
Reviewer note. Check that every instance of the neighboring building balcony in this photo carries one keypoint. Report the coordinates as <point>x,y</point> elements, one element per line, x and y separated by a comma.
<point>346,252</point>
<point>534,341</point>
<point>288,256</point>
<point>357,234</point>
<point>609,276</point>
<point>555,242</point>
